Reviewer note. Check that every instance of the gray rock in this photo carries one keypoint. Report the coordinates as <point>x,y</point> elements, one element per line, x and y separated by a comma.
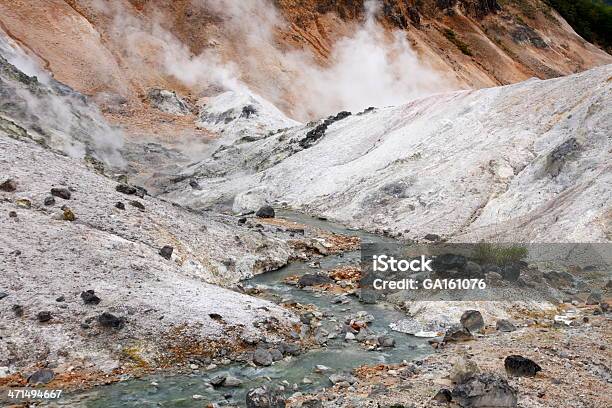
<point>457,334</point>
<point>485,391</point>
<point>3,295</point>
<point>61,192</point>
<point>472,320</point>
<point>44,316</point>
<point>519,366</point>
<point>90,298</point>
<point>217,380</point>
<point>264,397</point>
<point>232,382</point>
<point>472,270</point>
<point>386,341</point>
<point>511,272</point>
<point>50,200</point>
<point>276,354</point>
<point>313,280</point>
<point>168,101</point>
<point>341,378</point>
<point>262,357</point>
<point>43,376</point>
<point>504,325</point>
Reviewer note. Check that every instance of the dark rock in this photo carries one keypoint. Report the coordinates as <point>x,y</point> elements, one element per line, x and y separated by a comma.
<point>445,262</point>
<point>443,395</point>
<point>18,310</point>
<point>471,270</point>
<point>312,403</point>
<point>264,397</point>
<point>594,299</point>
<point>44,316</point>
<point>276,354</point>
<point>60,298</point>
<point>519,366</point>
<point>49,200</point>
<point>8,185</point>
<point>137,204</point>
<point>68,214</point>
<point>242,220</point>
<point>3,295</point>
<point>472,320</point>
<point>265,212</point>
<point>61,192</point>
<point>109,320</point>
<point>457,334</point>
<point>511,272</point>
<point>12,214</point>
<point>485,391</point>
<point>504,325</point>
<point>166,252</point>
<point>432,237</point>
<point>194,184</point>
<point>125,189</point>
<point>89,297</point>
<point>43,376</point>
<point>247,111</point>
<point>215,316</point>
<point>120,205</point>
<point>561,154</point>
<point>262,357</point>
<point>313,280</point>
<point>291,349</point>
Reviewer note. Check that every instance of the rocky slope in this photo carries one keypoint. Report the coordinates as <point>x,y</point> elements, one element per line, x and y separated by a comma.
<point>295,54</point>
<point>467,165</point>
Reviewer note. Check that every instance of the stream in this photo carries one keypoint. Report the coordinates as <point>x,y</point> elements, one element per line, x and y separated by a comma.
<point>339,356</point>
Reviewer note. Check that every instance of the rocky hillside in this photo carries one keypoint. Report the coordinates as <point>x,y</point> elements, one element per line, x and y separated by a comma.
<point>299,55</point>
<point>464,165</point>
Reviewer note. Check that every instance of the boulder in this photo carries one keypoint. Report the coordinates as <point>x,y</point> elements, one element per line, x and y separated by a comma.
<point>265,212</point>
<point>519,366</point>
<point>43,376</point>
<point>313,280</point>
<point>443,396</point>
<point>463,369</point>
<point>262,357</point>
<point>485,391</point>
<point>217,380</point>
<point>472,320</point>
<point>594,299</point>
<point>264,397</point>
<point>232,382</point>
<point>504,325</point>
<point>386,341</point>
<point>168,101</point>
<point>457,334</point>
<point>61,192</point>
<point>511,272</point>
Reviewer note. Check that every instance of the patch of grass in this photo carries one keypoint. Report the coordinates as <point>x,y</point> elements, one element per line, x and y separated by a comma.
<point>452,37</point>
<point>499,254</point>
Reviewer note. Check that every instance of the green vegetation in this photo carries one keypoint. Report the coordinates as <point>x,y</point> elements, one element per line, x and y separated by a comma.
<point>452,37</point>
<point>592,19</point>
<point>499,254</point>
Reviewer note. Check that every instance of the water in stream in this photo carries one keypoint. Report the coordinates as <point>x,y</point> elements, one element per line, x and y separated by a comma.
<point>340,356</point>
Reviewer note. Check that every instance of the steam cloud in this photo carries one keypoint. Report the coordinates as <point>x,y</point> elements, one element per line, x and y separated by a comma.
<point>369,68</point>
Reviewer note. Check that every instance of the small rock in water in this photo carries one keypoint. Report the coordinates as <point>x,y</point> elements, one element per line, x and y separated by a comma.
<point>519,366</point>
<point>50,200</point>
<point>232,382</point>
<point>349,336</point>
<point>217,380</point>
<point>341,378</point>
<point>44,316</point>
<point>485,390</point>
<point>264,397</point>
<point>386,341</point>
<point>265,212</point>
<point>262,357</point>
<point>8,185</point>
<point>89,297</point>
<point>472,320</point>
<point>197,397</point>
<point>504,325</point>
<point>320,368</point>
<point>43,376</point>
<point>313,280</point>
<point>61,192</point>
<point>166,252</point>
<point>119,205</point>
<point>111,321</point>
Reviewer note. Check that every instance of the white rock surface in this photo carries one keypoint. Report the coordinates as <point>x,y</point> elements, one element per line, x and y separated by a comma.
<point>526,162</point>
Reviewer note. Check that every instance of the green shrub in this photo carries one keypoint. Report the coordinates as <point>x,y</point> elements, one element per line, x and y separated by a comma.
<point>592,19</point>
<point>499,254</point>
<point>452,37</point>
